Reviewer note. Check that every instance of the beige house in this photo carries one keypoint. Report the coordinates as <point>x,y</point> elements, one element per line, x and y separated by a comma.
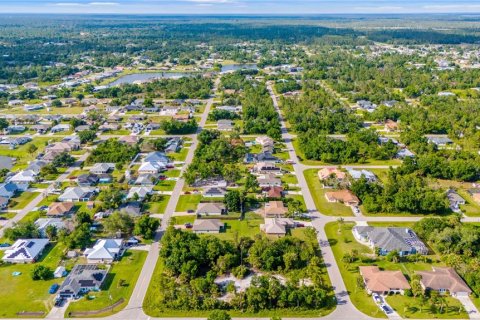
<point>344,196</point>
<point>326,173</point>
<point>383,282</point>
<point>274,209</point>
<point>56,209</point>
<point>277,226</point>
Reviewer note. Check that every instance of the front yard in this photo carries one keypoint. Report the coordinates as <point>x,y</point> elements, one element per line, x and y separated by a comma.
<point>318,194</point>
<point>22,200</point>
<point>120,282</point>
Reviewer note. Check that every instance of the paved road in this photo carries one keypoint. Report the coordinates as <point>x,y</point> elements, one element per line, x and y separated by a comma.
<point>345,308</point>
<point>34,203</point>
<point>134,308</point>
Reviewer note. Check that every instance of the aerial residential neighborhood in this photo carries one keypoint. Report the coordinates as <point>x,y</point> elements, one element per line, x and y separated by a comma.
<point>248,165</point>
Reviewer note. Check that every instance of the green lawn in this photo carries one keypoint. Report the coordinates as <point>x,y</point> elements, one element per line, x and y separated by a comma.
<point>408,307</point>
<point>173,173</point>
<point>248,227</point>
<point>188,202</point>
<point>342,241</point>
<point>21,293</point>
<point>318,194</point>
<point>22,154</point>
<point>289,178</point>
<point>179,156</point>
<point>22,200</point>
<point>158,207</point>
<point>179,220</point>
<point>127,271</point>
<point>471,208</point>
<point>165,185</point>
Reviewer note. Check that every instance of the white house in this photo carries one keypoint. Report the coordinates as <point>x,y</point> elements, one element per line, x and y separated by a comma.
<point>105,251</point>
<point>25,250</point>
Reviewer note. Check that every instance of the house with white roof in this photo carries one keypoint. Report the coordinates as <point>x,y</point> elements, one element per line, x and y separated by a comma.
<point>23,179</point>
<point>141,192</point>
<point>105,251</point>
<point>77,194</point>
<point>357,174</point>
<point>25,250</point>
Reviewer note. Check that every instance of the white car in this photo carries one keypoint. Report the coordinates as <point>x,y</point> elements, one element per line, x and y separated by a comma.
<point>377,298</point>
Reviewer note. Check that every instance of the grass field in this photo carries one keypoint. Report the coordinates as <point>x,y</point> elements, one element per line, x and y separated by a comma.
<point>408,307</point>
<point>188,202</point>
<point>318,194</point>
<point>21,293</point>
<point>120,282</point>
<point>21,152</point>
<point>158,207</point>
<point>22,200</point>
<point>165,185</point>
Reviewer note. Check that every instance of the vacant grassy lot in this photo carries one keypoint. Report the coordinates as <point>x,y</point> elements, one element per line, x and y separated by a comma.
<point>22,200</point>
<point>318,193</point>
<point>158,207</point>
<point>21,293</point>
<point>120,282</point>
<point>165,185</point>
<point>188,202</point>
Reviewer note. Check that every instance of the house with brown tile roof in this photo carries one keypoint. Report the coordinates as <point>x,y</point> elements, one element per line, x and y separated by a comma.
<point>326,173</point>
<point>56,209</point>
<point>344,196</point>
<point>274,209</point>
<point>444,280</point>
<point>383,282</point>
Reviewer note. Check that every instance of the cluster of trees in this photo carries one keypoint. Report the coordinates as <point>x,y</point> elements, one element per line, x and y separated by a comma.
<point>287,85</point>
<point>215,156</point>
<point>179,127</point>
<point>457,243</point>
<point>113,151</point>
<point>259,114</point>
<point>217,114</point>
<point>192,263</point>
<point>401,193</point>
<point>196,87</point>
<point>63,160</point>
<point>359,147</point>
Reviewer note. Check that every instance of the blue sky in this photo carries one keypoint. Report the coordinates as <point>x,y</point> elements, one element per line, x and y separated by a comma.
<point>238,6</point>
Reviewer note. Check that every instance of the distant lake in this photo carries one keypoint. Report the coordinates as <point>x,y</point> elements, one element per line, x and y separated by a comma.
<point>234,67</point>
<point>131,78</point>
<point>146,76</point>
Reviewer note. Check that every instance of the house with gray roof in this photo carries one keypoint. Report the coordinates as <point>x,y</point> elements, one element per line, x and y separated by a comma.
<point>99,168</point>
<point>77,194</point>
<point>141,192</point>
<point>455,200</point>
<point>82,279</point>
<point>211,209</point>
<point>8,190</point>
<point>208,226</point>
<point>403,240</point>
<point>43,223</point>
<point>25,250</point>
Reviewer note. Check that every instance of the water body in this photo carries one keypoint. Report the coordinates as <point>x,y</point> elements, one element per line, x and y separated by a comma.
<point>146,76</point>
<point>131,78</point>
<point>234,67</point>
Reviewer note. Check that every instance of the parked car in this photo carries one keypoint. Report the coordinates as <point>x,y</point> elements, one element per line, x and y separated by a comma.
<point>377,298</point>
<point>386,309</point>
<point>59,302</point>
<point>190,211</point>
<point>188,225</point>
<point>53,288</point>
